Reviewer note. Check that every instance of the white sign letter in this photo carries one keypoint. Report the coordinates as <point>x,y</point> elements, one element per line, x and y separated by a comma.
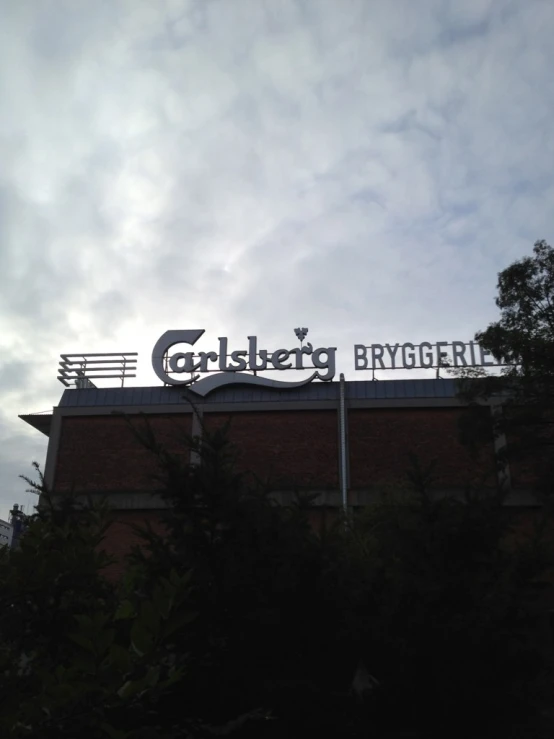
<point>360,357</point>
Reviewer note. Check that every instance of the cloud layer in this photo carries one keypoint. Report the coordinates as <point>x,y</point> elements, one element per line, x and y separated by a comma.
<point>362,168</point>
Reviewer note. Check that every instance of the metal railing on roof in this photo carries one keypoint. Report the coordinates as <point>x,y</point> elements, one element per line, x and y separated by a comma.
<point>79,370</point>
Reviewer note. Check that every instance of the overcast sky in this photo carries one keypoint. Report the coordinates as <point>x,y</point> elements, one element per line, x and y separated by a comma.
<point>360,167</point>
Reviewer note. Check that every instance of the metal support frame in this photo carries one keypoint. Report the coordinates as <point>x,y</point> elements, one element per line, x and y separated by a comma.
<point>343,447</point>
<point>500,444</point>
<point>79,370</point>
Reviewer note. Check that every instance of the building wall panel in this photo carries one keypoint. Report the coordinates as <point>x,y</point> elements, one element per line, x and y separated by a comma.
<point>102,454</point>
<point>289,448</point>
<point>381,441</point>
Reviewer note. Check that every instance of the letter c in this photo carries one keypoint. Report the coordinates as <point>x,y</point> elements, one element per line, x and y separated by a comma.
<point>164,344</point>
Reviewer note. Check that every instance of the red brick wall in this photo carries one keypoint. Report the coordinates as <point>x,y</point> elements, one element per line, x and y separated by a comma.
<point>292,448</point>
<point>530,449</point>
<point>101,453</point>
<point>121,538</point>
<point>381,440</point>
<point>530,469</point>
<point>289,448</point>
<point>523,472</point>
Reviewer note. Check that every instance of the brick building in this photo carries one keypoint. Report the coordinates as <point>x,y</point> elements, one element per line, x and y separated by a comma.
<point>344,441</point>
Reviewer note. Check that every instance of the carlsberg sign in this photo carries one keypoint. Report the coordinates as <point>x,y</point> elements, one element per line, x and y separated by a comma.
<point>235,366</point>
<point>204,371</point>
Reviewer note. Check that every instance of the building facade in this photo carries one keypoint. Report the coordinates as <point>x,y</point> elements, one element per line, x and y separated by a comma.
<point>6,533</point>
<point>344,442</point>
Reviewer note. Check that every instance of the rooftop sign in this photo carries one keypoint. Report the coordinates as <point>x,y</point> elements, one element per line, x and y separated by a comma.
<point>238,365</point>
<point>426,355</point>
<point>204,371</point>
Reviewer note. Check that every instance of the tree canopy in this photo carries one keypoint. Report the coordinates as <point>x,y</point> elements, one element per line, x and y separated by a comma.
<point>523,337</point>
<point>416,617</point>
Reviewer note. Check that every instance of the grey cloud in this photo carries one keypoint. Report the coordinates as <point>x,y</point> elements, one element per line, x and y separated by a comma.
<point>17,452</point>
<point>363,167</point>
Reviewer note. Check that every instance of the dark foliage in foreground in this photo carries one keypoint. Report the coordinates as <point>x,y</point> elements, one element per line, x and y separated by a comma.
<point>418,617</point>
<point>522,339</point>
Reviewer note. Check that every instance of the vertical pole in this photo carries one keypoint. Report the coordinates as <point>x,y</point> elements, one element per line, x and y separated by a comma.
<point>343,450</point>
<point>500,444</point>
<point>52,450</point>
<point>196,431</point>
